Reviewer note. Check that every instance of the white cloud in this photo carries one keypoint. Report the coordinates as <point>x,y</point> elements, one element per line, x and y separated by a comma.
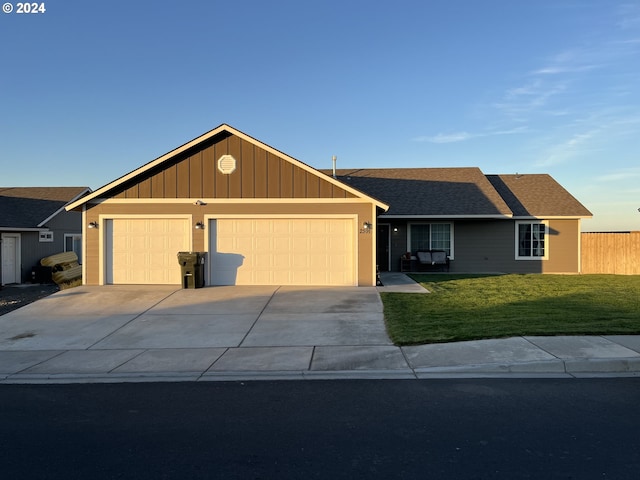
<point>464,136</point>
<point>568,149</point>
<point>620,174</point>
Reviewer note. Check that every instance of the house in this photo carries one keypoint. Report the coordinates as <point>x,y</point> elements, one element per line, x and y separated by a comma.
<point>261,216</point>
<point>265,218</point>
<point>35,224</point>
<point>485,223</point>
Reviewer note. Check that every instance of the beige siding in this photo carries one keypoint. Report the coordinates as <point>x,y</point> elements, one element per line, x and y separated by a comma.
<point>364,245</point>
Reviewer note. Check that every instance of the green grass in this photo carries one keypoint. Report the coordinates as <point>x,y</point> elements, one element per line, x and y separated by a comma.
<point>471,307</point>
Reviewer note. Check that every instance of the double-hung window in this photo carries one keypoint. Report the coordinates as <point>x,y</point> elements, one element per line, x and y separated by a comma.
<point>430,236</point>
<point>531,241</point>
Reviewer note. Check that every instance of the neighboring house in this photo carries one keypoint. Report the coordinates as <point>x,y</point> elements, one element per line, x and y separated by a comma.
<point>262,217</point>
<point>265,218</point>
<point>34,224</point>
<point>485,223</point>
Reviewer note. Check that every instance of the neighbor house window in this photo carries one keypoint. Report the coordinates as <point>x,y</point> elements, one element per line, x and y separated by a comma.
<point>46,237</point>
<point>430,236</point>
<point>531,241</point>
<point>73,243</point>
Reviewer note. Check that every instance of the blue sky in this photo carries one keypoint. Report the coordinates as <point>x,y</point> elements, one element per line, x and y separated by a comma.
<point>92,90</point>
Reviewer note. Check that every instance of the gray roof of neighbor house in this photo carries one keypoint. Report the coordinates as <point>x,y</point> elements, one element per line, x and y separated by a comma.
<point>537,195</point>
<point>30,207</point>
<point>462,192</point>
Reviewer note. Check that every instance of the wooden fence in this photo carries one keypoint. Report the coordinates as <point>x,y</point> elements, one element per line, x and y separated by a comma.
<point>611,252</point>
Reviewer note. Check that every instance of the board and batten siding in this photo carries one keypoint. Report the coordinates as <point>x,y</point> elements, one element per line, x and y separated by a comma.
<point>259,174</point>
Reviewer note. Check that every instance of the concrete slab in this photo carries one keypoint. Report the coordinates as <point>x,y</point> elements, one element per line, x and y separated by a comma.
<point>172,360</point>
<point>14,362</point>
<point>396,282</point>
<point>87,301</point>
<point>507,351</point>
<point>83,362</point>
<point>261,359</point>
<point>216,300</point>
<point>345,358</point>
<point>309,329</point>
<point>73,332</point>
<point>180,331</point>
<point>629,341</point>
<point>325,300</point>
<point>582,347</point>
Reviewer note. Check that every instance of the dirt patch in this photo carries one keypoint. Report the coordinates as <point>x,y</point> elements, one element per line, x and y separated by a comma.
<point>13,297</point>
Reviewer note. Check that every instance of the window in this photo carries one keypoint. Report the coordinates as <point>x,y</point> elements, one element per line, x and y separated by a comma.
<point>531,241</point>
<point>46,236</point>
<point>73,243</point>
<point>430,236</point>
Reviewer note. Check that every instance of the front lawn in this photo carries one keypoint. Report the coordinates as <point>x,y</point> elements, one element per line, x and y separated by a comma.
<point>471,307</point>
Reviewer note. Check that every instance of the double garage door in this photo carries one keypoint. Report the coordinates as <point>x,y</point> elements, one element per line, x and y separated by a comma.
<point>256,251</point>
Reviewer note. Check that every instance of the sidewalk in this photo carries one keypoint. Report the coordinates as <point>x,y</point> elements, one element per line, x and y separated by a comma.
<point>335,338</point>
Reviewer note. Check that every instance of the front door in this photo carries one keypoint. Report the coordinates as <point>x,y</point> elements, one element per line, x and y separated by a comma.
<point>10,258</point>
<point>382,250</point>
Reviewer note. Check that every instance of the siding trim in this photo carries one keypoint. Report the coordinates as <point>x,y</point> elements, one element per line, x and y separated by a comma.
<point>225,200</point>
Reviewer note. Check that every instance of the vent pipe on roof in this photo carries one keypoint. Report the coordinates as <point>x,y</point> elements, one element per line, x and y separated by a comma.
<point>333,159</point>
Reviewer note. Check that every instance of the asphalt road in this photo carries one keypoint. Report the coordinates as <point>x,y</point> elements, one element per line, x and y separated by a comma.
<point>436,429</point>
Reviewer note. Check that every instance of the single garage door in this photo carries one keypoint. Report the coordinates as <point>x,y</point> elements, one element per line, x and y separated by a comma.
<point>282,251</point>
<point>143,251</point>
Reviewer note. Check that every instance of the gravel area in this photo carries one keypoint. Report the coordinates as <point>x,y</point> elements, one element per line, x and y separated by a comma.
<point>16,296</point>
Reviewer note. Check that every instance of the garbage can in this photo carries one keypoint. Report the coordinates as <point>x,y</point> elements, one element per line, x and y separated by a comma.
<point>192,269</point>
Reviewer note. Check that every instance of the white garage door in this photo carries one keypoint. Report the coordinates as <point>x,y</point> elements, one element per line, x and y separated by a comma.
<point>143,251</point>
<point>282,251</point>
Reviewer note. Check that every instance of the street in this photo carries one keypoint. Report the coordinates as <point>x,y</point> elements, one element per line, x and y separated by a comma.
<point>430,429</point>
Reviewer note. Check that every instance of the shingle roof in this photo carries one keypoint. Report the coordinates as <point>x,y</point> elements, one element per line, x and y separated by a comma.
<point>466,192</point>
<point>428,191</point>
<point>537,195</point>
<point>27,207</point>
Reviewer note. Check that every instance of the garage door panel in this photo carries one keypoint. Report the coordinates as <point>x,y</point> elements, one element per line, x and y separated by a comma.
<point>143,251</point>
<point>283,251</point>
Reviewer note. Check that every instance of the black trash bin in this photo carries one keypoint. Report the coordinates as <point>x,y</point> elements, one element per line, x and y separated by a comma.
<point>192,269</point>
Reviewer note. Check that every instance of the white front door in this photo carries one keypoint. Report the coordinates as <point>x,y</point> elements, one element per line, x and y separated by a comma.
<point>10,258</point>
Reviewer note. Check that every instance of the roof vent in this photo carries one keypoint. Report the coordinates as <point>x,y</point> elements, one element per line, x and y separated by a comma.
<point>227,164</point>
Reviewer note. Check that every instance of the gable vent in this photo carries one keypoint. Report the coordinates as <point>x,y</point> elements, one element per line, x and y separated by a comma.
<point>227,164</point>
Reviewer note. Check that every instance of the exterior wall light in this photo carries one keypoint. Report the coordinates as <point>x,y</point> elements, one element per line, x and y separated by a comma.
<point>199,226</point>
<point>93,225</point>
<point>366,225</point>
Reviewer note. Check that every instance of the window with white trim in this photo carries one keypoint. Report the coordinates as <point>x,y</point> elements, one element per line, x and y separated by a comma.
<point>45,236</point>
<point>73,243</point>
<point>430,236</point>
<point>531,241</point>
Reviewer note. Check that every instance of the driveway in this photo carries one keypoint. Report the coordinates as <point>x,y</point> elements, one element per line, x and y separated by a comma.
<point>138,329</point>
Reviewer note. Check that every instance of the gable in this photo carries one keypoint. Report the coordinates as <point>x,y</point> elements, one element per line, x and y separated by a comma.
<point>257,174</point>
<point>191,171</point>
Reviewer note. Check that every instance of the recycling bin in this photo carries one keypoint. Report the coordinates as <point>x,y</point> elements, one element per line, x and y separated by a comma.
<point>192,269</point>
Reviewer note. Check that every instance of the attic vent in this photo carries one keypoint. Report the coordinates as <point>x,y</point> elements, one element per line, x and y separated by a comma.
<point>227,164</point>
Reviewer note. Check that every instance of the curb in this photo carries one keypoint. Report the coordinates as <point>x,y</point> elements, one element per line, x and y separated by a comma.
<point>573,368</point>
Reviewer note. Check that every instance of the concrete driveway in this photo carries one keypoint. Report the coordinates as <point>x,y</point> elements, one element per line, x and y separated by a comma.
<point>153,329</point>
